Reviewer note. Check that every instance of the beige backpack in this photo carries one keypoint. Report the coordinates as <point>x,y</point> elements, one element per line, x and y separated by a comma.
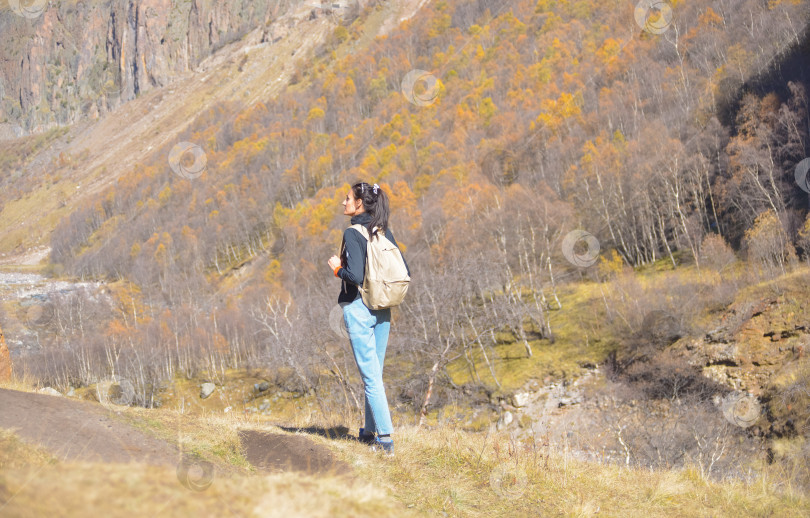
<point>386,277</point>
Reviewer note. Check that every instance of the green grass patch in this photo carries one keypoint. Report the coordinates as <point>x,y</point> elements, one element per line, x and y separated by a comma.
<point>580,338</point>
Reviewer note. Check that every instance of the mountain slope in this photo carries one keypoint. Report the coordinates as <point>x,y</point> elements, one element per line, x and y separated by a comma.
<point>77,162</point>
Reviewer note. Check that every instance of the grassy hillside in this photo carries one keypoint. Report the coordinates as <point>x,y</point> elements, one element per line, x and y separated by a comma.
<point>444,471</point>
<point>620,367</point>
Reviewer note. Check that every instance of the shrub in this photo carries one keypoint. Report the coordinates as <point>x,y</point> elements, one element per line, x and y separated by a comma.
<point>769,249</point>
<point>716,253</point>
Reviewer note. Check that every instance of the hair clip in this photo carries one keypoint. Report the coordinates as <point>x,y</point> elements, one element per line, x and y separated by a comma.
<point>375,188</point>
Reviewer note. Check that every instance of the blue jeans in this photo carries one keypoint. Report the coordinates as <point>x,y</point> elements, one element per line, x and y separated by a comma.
<point>368,333</point>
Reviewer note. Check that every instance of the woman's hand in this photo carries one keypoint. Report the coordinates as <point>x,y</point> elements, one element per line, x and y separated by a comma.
<point>334,262</point>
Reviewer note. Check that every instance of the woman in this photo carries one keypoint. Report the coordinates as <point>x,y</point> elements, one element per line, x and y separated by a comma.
<point>368,329</point>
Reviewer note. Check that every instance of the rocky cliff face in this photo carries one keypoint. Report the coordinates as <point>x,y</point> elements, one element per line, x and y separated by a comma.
<point>79,59</point>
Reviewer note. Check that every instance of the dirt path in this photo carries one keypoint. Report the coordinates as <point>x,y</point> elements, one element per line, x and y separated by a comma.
<point>79,430</point>
<point>281,452</point>
<point>84,431</point>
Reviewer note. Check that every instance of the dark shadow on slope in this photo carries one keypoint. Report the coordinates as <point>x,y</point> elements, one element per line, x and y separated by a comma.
<point>275,452</point>
<point>335,432</point>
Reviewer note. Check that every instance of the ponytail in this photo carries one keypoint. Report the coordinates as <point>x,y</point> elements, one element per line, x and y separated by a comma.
<point>376,204</point>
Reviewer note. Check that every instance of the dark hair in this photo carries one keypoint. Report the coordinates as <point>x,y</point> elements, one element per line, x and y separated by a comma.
<point>374,204</point>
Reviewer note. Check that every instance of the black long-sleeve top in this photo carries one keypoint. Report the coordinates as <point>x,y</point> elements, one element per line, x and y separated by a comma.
<point>353,259</point>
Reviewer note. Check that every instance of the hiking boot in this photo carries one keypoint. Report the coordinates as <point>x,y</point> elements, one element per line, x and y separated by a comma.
<point>365,438</point>
<point>386,447</point>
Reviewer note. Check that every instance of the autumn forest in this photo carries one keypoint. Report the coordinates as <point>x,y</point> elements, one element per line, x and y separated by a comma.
<point>529,148</point>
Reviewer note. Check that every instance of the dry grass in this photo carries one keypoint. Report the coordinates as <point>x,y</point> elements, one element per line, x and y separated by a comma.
<point>446,470</point>
<point>463,474</point>
<point>435,471</point>
<point>82,489</point>
<point>33,483</point>
<point>22,383</point>
<point>15,454</point>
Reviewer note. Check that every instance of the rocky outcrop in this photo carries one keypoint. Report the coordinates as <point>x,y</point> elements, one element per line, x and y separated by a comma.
<point>5,359</point>
<point>206,389</point>
<point>750,344</point>
<point>79,59</point>
<point>50,391</point>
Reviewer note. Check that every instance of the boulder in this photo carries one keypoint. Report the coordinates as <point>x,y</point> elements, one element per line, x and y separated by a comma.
<point>520,399</point>
<point>49,391</point>
<point>207,389</point>
<point>505,420</point>
<point>722,354</point>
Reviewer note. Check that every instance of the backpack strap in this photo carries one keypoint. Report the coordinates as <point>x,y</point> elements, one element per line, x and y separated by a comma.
<point>362,229</point>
